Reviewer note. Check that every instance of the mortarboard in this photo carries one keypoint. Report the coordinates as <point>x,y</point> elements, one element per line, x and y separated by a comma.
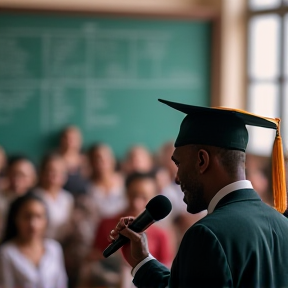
<point>226,128</point>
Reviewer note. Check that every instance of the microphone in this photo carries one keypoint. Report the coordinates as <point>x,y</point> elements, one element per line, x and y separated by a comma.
<point>156,209</point>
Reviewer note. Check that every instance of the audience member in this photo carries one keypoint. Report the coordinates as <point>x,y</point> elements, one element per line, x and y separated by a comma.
<point>70,150</point>
<point>104,198</point>
<point>21,176</point>
<point>164,159</point>
<point>3,162</point>
<point>79,236</point>
<point>138,159</point>
<point>27,259</point>
<point>59,202</point>
<point>106,185</point>
<point>140,188</point>
<point>3,186</point>
<point>257,173</point>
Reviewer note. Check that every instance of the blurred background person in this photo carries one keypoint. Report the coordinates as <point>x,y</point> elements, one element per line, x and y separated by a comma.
<point>21,174</point>
<point>79,236</point>
<point>59,202</point>
<point>3,185</point>
<point>106,187</point>
<point>257,171</point>
<point>138,159</point>
<point>76,162</point>
<point>21,177</point>
<point>112,272</point>
<point>27,259</point>
<point>3,162</point>
<point>104,198</point>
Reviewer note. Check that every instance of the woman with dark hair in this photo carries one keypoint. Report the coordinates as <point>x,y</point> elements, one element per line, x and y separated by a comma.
<point>27,259</point>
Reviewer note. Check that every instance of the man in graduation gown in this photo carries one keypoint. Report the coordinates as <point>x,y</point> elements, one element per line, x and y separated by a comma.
<point>242,242</point>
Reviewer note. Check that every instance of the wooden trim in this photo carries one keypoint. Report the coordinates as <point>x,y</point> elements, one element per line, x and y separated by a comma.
<point>199,13</point>
<point>281,11</point>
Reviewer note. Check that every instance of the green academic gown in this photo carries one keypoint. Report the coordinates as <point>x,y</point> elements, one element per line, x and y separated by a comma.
<point>243,243</point>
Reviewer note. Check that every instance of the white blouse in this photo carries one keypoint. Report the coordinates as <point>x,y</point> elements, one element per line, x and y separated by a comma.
<point>17,271</point>
<point>107,204</point>
<point>59,211</point>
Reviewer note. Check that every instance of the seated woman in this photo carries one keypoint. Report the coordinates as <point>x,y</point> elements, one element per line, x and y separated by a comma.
<point>27,259</point>
<point>59,202</point>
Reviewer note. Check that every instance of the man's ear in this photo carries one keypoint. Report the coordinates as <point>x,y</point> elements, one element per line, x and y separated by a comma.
<point>203,160</point>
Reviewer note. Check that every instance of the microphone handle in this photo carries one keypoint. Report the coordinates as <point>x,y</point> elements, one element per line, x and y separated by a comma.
<point>141,223</point>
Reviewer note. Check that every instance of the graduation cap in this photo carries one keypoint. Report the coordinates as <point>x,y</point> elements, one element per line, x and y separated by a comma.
<point>226,128</point>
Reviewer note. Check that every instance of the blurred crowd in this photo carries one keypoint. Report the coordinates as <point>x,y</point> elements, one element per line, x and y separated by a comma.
<point>55,218</point>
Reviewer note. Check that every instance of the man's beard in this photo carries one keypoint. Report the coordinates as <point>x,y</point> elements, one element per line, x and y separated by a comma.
<point>194,196</point>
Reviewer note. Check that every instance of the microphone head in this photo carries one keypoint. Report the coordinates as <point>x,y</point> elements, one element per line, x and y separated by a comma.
<point>159,207</point>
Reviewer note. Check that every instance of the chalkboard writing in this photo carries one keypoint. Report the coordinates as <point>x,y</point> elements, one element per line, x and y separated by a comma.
<point>101,74</point>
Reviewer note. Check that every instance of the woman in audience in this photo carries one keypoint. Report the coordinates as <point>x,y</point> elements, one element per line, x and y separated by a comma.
<point>70,150</point>
<point>53,175</point>
<point>27,259</point>
<point>106,185</point>
<point>21,176</point>
<point>138,159</point>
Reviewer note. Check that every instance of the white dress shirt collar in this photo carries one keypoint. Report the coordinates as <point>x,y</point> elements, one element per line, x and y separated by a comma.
<point>242,184</point>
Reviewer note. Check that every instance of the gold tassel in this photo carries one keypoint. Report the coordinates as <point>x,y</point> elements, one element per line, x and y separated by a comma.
<point>278,173</point>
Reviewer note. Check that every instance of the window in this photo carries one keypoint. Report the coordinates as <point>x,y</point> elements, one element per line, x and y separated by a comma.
<point>267,70</point>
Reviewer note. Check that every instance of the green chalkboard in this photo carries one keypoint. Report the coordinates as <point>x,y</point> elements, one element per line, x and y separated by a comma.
<point>101,74</point>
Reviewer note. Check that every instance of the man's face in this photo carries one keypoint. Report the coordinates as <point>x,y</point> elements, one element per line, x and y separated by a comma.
<point>185,158</point>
